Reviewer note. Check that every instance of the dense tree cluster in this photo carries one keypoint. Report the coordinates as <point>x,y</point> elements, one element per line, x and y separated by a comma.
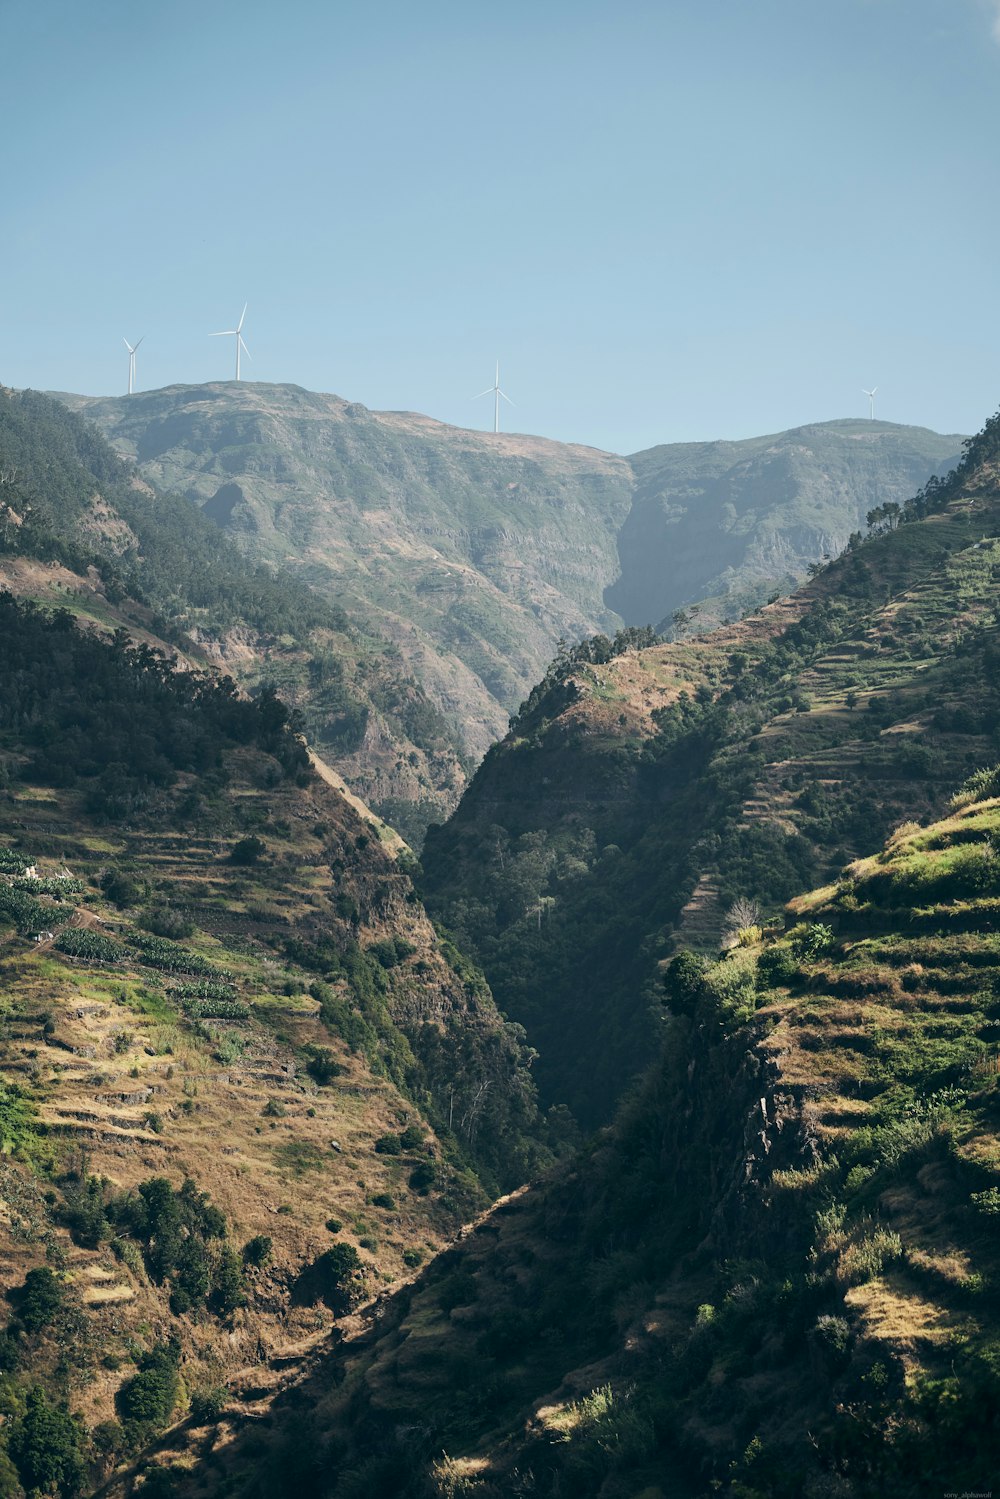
<point>53,463</point>
<point>120,718</point>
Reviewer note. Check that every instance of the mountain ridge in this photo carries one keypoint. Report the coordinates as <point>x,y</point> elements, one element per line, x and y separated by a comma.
<point>472,554</point>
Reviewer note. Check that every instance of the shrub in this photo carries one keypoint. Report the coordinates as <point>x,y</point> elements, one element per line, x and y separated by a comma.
<point>322,1066</point>
<point>273,1109</point>
<point>45,1446</point>
<point>165,921</point>
<point>122,889</point>
<point>683,982</point>
<point>384,1200</point>
<point>388,1145</point>
<point>147,1399</point>
<point>866,1258</point>
<point>207,1404</point>
<point>423,1177</point>
<point>777,965</point>
<point>83,1212</point>
<point>730,988</point>
<point>334,1225</point>
<point>227,1283</point>
<point>810,939</point>
<point>412,1137</point>
<point>413,1257</point>
<point>833,1334</point>
<point>981,786</point>
<point>40,1299</point>
<point>338,1272</point>
<point>257,1251</point>
<point>248,851</point>
<point>988,1202</point>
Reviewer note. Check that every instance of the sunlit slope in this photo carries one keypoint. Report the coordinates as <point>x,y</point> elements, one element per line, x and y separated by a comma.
<point>211,972</point>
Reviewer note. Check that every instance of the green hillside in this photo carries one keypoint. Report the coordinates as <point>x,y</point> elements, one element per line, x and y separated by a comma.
<point>74,519</point>
<point>774,1276</point>
<point>474,554</point>
<point>721,525</point>
<point>636,799</point>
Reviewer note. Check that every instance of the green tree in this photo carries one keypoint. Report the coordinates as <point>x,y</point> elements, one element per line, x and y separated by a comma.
<point>682,982</point>
<point>40,1299</point>
<point>257,1251</point>
<point>45,1446</point>
<point>147,1399</point>
<point>339,1269</point>
<point>248,851</point>
<point>227,1283</point>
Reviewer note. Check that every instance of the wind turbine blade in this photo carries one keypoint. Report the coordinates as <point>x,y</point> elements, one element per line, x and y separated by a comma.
<point>245,349</point>
<point>507,398</point>
<point>227,334</point>
<point>243,314</point>
<point>140,341</point>
<point>487,392</point>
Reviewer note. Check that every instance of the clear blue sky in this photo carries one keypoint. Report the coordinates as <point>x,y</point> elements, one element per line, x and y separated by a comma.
<point>675,219</point>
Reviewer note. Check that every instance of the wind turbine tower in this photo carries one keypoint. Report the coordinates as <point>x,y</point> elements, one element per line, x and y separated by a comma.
<point>236,333</point>
<point>871,398</point>
<point>496,393</point>
<point>131,362</point>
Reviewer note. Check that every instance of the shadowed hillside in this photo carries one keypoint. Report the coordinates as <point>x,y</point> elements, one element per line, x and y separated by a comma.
<point>637,798</point>
<point>721,525</point>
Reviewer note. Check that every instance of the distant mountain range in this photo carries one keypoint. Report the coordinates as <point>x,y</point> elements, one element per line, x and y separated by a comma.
<point>473,554</point>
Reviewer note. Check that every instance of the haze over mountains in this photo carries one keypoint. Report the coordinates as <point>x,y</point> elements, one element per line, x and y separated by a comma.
<point>474,554</point>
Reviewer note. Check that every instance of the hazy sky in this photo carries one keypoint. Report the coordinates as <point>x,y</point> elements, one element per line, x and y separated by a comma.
<point>675,219</point>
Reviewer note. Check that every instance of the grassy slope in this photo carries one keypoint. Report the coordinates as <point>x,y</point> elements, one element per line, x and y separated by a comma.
<point>774,1276</point>
<point>610,822</point>
<point>119,1080</point>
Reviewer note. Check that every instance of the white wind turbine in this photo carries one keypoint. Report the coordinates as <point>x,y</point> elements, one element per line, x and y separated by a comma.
<point>496,393</point>
<point>871,397</point>
<point>236,333</point>
<point>131,362</point>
